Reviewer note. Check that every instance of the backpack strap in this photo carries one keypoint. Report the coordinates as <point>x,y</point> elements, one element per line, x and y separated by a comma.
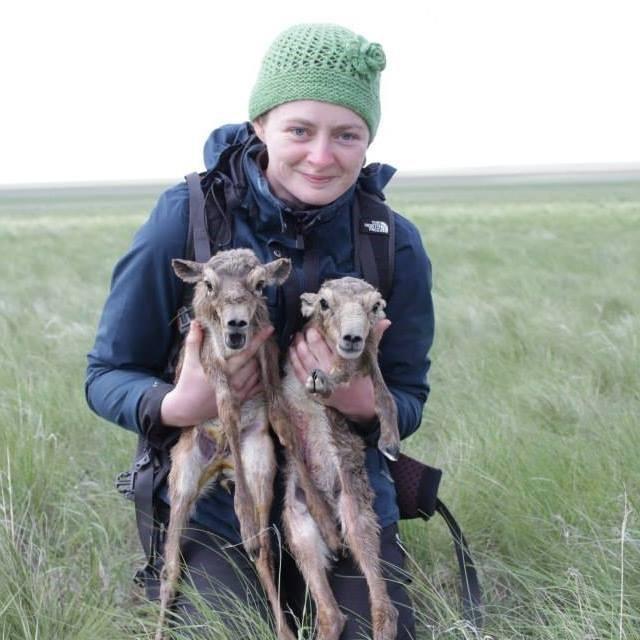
<point>139,484</point>
<point>210,222</point>
<point>374,240</point>
<point>470,593</point>
<point>198,247</point>
<point>417,492</point>
<point>197,219</point>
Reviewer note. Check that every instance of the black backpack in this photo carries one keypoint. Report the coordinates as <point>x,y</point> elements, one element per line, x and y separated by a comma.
<point>213,195</point>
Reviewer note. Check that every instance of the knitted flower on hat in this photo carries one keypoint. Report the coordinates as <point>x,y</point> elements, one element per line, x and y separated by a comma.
<point>321,62</point>
<point>367,58</point>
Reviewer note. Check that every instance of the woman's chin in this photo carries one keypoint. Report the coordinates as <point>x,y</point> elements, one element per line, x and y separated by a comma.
<point>317,195</point>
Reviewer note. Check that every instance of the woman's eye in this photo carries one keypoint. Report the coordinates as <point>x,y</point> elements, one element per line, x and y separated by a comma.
<point>348,137</point>
<point>298,132</point>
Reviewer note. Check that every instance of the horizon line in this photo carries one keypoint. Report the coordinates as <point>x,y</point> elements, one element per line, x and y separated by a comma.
<point>577,171</point>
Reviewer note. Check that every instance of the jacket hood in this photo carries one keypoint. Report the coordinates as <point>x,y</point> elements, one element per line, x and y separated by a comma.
<point>373,178</point>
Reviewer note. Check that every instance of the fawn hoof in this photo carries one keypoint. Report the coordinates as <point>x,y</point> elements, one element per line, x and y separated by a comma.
<point>317,383</point>
<point>335,555</point>
<point>252,551</point>
<point>251,545</point>
<point>385,625</point>
<point>331,625</point>
<point>391,451</point>
<point>253,555</point>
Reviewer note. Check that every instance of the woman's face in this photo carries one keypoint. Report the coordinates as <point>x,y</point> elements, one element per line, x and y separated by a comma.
<point>315,149</point>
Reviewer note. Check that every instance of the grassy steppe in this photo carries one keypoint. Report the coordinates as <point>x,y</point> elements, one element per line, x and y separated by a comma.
<point>534,411</point>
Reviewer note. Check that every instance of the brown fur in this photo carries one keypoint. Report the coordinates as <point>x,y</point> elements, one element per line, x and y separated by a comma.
<point>343,312</point>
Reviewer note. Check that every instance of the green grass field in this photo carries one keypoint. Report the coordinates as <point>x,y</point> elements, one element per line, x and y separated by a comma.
<point>534,412</point>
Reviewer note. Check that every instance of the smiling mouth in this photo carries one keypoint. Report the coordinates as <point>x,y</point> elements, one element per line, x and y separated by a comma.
<point>317,179</point>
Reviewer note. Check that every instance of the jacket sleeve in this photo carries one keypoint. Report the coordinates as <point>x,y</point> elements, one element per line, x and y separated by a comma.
<point>404,349</point>
<point>135,333</point>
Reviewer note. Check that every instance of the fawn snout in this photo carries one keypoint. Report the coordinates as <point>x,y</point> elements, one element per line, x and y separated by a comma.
<point>235,325</point>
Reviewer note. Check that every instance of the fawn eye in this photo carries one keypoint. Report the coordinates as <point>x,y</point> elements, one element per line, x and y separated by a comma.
<point>324,305</point>
<point>209,286</point>
<point>260,286</point>
<point>375,307</point>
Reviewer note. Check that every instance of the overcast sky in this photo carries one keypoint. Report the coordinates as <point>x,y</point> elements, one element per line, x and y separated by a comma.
<point>130,89</point>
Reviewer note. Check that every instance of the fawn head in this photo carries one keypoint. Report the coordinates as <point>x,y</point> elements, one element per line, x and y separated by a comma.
<point>228,298</point>
<point>345,310</point>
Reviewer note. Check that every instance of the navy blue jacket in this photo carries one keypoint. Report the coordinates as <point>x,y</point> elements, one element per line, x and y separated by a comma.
<point>126,372</point>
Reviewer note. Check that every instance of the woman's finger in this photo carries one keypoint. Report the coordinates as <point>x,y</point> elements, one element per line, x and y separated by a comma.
<point>305,356</point>
<point>192,344</point>
<point>238,380</point>
<point>298,368</point>
<point>254,390</point>
<point>320,349</point>
<point>380,327</point>
<point>250,382</point>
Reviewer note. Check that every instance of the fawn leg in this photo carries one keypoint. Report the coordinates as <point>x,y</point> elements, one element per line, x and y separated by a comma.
<point>389,441</point>
<point>317,505</point>
<point>282,419</point>
<point>321,385</point>
<point>386,410</point>
<point>361,532</point>
<point>186,470</point>
<point>260,461</point>
<point>242,499</point>
<point>311,555</point>
<point>276,405</point>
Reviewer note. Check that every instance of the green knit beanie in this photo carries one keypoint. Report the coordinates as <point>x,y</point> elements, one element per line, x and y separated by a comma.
<point>321,62</point>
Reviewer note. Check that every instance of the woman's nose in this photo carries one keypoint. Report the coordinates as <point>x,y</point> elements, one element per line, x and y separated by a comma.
<point>320,152</point>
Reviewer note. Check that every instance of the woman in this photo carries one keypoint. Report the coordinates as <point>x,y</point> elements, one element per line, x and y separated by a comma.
<point>314,110</point>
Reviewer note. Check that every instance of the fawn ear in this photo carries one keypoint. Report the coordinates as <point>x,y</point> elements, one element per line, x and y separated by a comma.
<point>277,271</point>
<point>187,270</point>
<point>308,301</point>
<point>257,278</point>
<point>377,304</point>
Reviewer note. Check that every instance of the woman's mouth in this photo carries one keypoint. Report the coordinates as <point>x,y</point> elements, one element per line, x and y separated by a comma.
<point>319,180</point>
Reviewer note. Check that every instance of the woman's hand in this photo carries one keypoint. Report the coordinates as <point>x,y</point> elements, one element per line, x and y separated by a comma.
<point>355,399</point>
<point>193,399</point>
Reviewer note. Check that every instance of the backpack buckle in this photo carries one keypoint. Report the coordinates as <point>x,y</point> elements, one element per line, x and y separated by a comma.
<point>126,480</point>
<point>126,484</point>
<point>142,461</point>
<point>184,320</point>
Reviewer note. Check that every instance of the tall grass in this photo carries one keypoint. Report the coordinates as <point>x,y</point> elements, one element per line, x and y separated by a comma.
<point>533,413</point>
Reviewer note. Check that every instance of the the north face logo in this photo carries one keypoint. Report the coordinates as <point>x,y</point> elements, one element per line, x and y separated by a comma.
<point>376,226</point>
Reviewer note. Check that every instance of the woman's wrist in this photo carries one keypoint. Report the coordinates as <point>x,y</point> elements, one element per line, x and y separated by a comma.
<point>356,401</point>
<point>361,415</point>
<point>177,410</point>
<point>169,412</point>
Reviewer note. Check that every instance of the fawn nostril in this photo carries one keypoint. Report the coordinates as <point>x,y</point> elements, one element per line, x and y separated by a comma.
<point>354,341</point>
<point>237,324</point>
